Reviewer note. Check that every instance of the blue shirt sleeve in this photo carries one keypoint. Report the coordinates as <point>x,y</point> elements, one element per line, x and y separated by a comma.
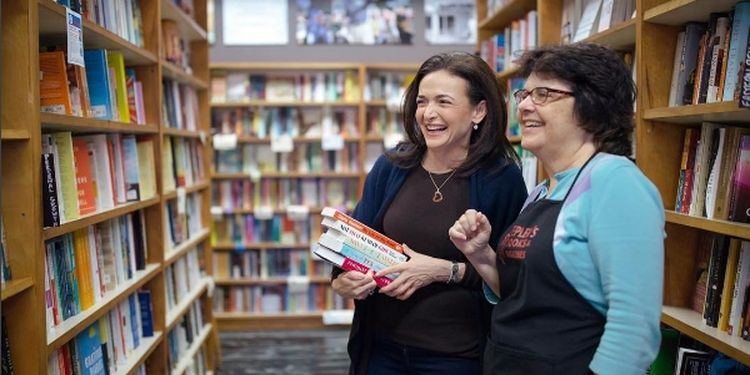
<point>626,242</point>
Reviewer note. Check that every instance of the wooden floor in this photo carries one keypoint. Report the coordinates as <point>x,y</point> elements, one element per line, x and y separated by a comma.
<point>284,352</point>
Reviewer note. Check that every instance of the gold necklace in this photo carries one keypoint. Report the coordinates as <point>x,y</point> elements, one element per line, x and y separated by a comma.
<point>438,196</point>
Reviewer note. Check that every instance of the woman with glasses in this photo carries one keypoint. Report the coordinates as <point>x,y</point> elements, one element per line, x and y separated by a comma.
<point>577,278</point>
<point>433,318</point>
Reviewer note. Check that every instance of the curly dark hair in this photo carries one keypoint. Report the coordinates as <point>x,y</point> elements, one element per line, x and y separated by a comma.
<point>603,86</point>
<point>488,144</point>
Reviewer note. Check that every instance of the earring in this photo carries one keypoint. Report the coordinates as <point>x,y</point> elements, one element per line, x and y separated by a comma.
<point>476,126</point>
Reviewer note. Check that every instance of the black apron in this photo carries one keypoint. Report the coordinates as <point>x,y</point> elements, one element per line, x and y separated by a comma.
<point>542,325</point>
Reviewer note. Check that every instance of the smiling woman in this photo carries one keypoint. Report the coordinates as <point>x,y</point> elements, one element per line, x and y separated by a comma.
<point>432,319</point>
<point>578,278</point>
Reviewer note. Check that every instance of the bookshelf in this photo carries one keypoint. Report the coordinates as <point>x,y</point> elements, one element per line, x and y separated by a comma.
<point>35,344</point>
<point>357,105</point>
<point>651,36</point>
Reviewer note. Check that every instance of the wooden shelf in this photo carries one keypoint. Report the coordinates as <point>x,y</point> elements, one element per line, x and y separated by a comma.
<point>178,74</point>
<point>184,133</point>
<point>691,323</point>
<point>507,74</point>
<point>514,139</point>
<point>98,217</point>
<point>188,190</point>
<point>618,37</point>
<point>724,112</point>
<point>678,12</point>
<point>219,66</point>
<point>235,176</point>
<point>57,122</point>
<point>68,329</point>
<point>187,358</point>
<point>256,140</point>
<point>172,255</point>
<point>730,228</point>
<point>15,286</point>
<point>189,29</point>
<point>174,314</point>
<point>269,280</point>
<point>513,10</point>
<point>267,321</point>
<point>394,66</point>
<point>15,135</point>
<point>52,29</point>
<point>260,246</point>
<point>314,210</point>
<point>286,103</point>
<point>140,354</point>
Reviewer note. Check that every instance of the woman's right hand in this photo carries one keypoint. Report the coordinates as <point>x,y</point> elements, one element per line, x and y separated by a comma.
<point>354,284</point>
<point>471,232</point>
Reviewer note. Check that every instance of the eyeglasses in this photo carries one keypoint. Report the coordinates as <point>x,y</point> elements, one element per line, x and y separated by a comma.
<point>539,95</point>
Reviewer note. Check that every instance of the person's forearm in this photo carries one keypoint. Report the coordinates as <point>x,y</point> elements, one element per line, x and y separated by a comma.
<point>484,263</point>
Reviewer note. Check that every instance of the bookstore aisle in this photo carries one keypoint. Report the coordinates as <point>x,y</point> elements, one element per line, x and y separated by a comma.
<point>301,352</point>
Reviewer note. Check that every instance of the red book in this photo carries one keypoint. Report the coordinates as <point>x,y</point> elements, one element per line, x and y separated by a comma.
<point>84,178</point>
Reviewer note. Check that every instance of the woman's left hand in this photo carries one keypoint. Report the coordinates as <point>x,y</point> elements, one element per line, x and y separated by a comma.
<point>419,271</point>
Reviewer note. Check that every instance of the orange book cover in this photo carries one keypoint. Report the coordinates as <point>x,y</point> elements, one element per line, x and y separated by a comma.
<point>84,178</point>
<point>54,96</point>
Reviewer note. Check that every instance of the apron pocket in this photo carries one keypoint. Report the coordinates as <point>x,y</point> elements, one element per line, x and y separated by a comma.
<point>502,360</point>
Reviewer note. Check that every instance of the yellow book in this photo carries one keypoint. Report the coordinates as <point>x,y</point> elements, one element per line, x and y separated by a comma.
<point>728,288</point>
<point>116,62</point>
<point>146,168</point>
<point>64,154</point>
<point>83,269</point>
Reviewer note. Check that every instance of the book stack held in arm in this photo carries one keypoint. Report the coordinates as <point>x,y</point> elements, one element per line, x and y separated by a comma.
<point>353,246</point>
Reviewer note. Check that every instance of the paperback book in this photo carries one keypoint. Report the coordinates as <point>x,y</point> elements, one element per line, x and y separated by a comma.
<point>353,246</point>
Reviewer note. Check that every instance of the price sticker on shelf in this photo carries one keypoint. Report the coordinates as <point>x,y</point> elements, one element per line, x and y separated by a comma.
<point>297,212</point>
<point>254,174</point>
<point>181,200</point>
<point>332,142</point>
<point>225,142</point>
<point>282,143</point>
<point>217,212</point>
<point>390,140</point>
<point>263,213</point>
<point>297,284</point>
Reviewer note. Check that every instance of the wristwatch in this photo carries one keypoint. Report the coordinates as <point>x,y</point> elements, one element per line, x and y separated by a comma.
<point>453,278</point>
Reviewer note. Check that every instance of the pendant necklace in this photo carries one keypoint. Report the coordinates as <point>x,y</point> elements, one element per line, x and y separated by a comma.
<point>438,196</point>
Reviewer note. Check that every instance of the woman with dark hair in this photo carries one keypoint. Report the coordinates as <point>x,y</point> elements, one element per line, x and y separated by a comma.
<point>577,278</point>
<point>433,318</point>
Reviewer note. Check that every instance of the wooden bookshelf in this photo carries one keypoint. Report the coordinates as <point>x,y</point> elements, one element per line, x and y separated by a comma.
<point>16,286</point>
<point>57,122</point>
<point>259,322</point>
<point>366,140</point>
<point>652,35</point>
<point>660,138</point>
<point>28,25</point>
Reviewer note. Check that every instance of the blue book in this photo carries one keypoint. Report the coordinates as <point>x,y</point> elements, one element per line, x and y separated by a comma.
<point>737,48</point>
<point>147,320</point>
<point>135,324</point>
<point>89,351</point>
<point>97,75</point>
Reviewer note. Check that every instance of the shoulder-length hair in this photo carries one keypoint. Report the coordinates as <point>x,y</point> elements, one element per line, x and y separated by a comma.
<point>602,85</point>
<point>488,144</point>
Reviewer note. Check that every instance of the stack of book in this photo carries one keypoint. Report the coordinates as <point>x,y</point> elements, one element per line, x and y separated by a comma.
<point>353,246</point>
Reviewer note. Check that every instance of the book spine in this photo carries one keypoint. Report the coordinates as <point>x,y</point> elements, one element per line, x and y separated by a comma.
<point>368,231</point>
<point>371,243</point>
<point>350,265</point>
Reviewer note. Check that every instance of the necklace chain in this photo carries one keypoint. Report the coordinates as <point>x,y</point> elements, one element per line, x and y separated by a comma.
<point>437,197</point>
